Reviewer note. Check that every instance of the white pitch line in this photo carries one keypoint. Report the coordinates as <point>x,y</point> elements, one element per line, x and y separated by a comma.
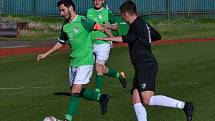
<point>181,83</point>
<point>16,88</point>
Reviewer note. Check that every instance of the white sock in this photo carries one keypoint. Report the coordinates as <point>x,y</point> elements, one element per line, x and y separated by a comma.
<point>161,100</point>
<point>140,112</point>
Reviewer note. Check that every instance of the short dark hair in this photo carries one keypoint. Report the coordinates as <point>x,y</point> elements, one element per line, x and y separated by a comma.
<point>129,7</point>
<point>67,3</point>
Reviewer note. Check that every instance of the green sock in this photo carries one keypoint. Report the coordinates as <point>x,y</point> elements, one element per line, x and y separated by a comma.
<point>99,82</point>
<point>113,73</point>
<point>91,94</point>
<point>73,107</point>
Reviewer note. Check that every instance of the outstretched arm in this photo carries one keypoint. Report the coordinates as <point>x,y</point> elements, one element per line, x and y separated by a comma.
<point>57,46</point>
<point>115,39</point>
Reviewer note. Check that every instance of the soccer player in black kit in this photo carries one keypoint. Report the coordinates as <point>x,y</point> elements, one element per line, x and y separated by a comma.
<point>145,66</point>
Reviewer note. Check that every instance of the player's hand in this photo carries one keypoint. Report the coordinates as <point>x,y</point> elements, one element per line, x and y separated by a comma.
<point>41,57</point>
<point>105,25</point>
<point>101,29</point>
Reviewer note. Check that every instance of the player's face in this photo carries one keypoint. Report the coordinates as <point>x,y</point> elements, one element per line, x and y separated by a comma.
<point>64,11</point>
<point>98,3</point>
<point>124,17</point>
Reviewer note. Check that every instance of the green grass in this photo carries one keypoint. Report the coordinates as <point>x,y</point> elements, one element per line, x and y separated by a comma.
<point>184,28</point>
<point>179,28</point>
<point>186,72</point>
<point>36,19</point>
<point>186,31</point>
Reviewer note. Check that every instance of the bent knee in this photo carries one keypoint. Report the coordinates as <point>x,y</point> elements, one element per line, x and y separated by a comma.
<point>99,68</point>
<point>104,69</point>
<point>146,97</point>
<point>146,100</point>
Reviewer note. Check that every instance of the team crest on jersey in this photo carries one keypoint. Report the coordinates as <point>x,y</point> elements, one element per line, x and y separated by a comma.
<point>100,16</point>
<point>143,85</point>
<point>75,29</point>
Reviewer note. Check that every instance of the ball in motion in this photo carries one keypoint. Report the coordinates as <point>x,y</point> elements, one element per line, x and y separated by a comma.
<point>50,118</point>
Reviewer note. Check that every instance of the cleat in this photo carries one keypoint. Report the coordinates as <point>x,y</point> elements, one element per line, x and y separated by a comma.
<point>188,109</point>
<point>122,80</point>
<point>104,99</point>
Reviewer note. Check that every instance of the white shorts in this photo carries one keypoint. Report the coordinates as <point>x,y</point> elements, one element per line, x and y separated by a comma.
<point>80,75</point>
<point>101,52</point>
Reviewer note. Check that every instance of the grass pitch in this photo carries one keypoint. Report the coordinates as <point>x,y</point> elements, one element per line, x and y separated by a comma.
<point>186,72</point>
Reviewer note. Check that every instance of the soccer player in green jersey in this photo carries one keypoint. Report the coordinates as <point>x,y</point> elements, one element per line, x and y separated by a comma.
<point>75,31</point>
<point>101,49</point>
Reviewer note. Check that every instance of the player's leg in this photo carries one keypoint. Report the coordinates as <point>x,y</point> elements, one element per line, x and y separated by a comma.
<point>102,53</point>
<point>139,108</point>
<point>146,86</point>
<point>99,75</point>
<point>100,59</point>
<point>111,72</point>
<point>82,75</point>
<point>149,98</point>
<point>74,102</point>
<point>75,89</point>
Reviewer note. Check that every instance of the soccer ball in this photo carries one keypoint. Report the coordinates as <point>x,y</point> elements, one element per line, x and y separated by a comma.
<point>50,118</point>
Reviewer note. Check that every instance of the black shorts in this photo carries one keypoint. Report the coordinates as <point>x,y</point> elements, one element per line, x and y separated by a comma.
<point>145,76</point>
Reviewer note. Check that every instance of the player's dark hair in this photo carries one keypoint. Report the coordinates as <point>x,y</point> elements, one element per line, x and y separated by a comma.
<point>129,7</point>
<point>67,3</point>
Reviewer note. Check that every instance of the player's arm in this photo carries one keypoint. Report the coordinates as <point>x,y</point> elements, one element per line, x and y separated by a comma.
<point>98,27</point>
<point>57,46</point>
<point>93,26</point>
<point>125,39</point>
<point>61,41</point>
<point>108,32</point>
<point>90,25</point>
<point>115,39</point>
<point>113,27</point>
<point>113,23</point>
<point>132,35</point>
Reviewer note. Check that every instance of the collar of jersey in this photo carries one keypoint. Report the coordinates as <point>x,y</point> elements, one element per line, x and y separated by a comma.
<point>100,9</point>
<point>73,19</point>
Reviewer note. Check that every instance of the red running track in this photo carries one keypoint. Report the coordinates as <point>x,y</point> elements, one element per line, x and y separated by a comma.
<point>4,52</point>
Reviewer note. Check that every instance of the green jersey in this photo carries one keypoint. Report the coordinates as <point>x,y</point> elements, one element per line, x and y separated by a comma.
<point>76,34</point>
<point>100,16</point>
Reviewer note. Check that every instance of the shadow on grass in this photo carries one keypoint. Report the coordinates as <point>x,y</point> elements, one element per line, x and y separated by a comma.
<point>62,94</point>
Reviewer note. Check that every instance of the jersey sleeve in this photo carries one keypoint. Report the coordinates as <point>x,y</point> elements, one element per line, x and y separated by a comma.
<point>88,24</point>
<point>62,38</point>
<point>112,18</point>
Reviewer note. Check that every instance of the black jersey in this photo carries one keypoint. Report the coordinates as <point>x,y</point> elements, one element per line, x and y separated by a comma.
<point>139,44</point>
